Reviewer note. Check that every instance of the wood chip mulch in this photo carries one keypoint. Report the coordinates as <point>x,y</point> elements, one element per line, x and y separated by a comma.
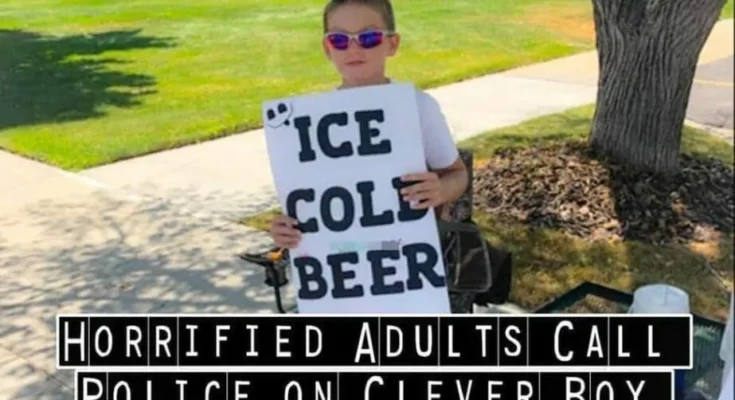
<point>569,188</point>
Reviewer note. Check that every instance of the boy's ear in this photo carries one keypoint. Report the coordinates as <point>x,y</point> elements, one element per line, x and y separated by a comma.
<point>395,41</point>
<point>325,47</point>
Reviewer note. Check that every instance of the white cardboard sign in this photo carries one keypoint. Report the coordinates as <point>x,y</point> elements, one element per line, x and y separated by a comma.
<point>336,159</point>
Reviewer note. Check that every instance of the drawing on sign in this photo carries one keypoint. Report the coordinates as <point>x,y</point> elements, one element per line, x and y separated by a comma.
<point>279,115</point>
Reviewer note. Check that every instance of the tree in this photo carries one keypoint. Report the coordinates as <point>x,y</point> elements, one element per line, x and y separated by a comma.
<point>648,52</point>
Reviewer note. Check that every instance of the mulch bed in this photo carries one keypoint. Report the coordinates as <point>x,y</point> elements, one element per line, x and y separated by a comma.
<point>569,188</point>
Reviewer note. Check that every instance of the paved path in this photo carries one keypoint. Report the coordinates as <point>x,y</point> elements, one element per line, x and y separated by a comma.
<point>76,248</point>
<point>153,234</point>
<point>711,103</point>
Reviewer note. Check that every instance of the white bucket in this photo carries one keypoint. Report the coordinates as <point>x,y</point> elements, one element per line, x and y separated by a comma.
<point>662,299</point>
<point>659,299</point>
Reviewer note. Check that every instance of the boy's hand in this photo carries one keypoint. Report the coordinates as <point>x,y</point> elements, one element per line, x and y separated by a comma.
<point>284,232</point>
<point>425,193</point>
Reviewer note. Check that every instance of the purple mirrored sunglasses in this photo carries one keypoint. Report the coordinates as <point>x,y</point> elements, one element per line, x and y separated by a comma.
<point>366,39</point>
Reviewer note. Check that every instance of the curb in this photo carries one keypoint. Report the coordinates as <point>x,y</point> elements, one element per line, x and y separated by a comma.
<point>722,133</point>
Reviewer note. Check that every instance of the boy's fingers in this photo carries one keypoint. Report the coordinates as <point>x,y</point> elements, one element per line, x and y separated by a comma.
<point>421,196</point>
<point>290,243</point>
<point>421,176</point>
<point>282,225</point>
<point>287,235</point>
<point>423,204</point>
<point>417,188</point>
<point>286,220</point>
<point>285,231</point>
<point>424,194</point>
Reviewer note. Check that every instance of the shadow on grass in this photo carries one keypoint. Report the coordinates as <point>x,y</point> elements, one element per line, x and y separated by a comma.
<point>56,79</point>
<point>102,254</point>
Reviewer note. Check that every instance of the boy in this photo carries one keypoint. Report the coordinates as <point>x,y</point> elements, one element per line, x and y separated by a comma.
<point>359,36</point>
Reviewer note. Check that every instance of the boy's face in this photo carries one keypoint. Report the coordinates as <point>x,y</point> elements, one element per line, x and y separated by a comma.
<point>356,64</point>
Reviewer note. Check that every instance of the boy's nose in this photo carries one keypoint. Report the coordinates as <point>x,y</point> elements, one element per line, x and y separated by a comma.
<point>353,46</point>
<point>352,43</point>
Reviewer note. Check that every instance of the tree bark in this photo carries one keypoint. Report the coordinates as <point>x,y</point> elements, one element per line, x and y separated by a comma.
<point>648,52</point>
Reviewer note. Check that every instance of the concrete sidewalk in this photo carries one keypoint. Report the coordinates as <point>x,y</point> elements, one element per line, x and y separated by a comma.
<point>97,253</point>
<point>153,234</point>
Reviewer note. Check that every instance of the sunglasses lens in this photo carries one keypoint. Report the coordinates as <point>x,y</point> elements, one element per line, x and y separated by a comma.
<point>370,39</point>
<point>339,41</point>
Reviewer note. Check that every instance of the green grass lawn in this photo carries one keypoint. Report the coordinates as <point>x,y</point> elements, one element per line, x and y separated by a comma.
<point>87,82</point>
<point>547,262</point>
<point>727,12</point>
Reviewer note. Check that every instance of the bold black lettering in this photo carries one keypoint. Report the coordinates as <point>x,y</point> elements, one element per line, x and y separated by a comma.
<point>339,275</point>
<point>301,194</point>
<point>344,149</point>
<point>578,341</point>
<point>416,268</point>
<point>367,147</point>
<point>380,271</point>
<point>307,152</point>
<point>314,276</point>
<point>406,213</point>
<point>650,342</point>
<point>368,214</point>
<point>326,209</point>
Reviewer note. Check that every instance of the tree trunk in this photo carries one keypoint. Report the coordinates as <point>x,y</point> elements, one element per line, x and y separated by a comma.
<point>648,52</point>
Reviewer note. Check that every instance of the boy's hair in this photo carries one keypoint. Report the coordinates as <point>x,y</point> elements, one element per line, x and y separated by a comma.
<point>383,7</point>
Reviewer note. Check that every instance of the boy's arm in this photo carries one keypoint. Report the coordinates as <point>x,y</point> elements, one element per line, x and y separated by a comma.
<point>441,150</point>
<point>453,180</point>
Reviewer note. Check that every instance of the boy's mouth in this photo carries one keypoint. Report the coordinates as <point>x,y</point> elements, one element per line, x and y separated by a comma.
<point>355,63</point>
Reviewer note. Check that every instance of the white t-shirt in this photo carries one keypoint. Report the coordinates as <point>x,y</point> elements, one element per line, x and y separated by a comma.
<point>439,146</point>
